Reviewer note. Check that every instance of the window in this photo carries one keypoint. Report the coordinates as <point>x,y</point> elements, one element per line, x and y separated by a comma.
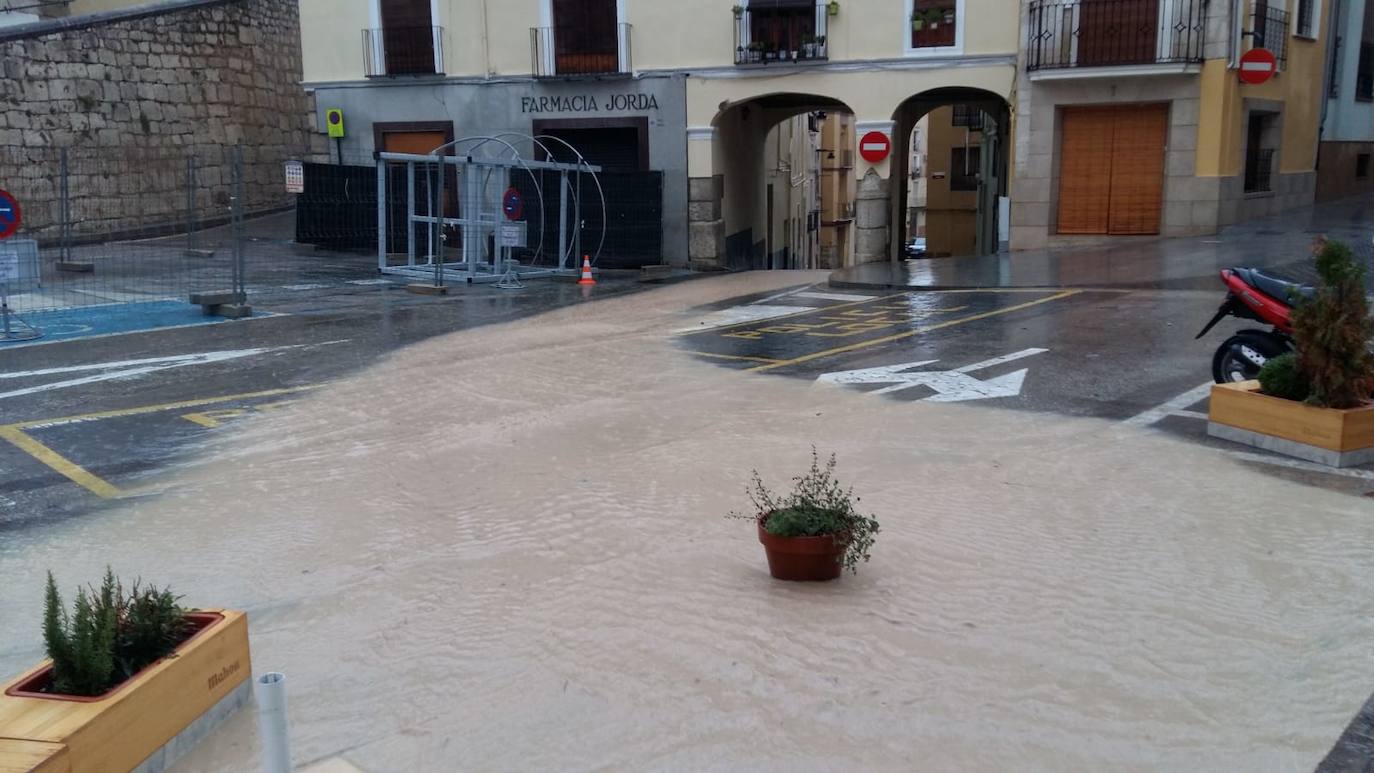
<point>934,23</point>
<point>408,41</point>
<point>1364,74</point>
<point>783,29</point>
<point>969,117</point>
<point>1305,23</point>
<point>963,168</point>
<point>1362,166</point>
<point>1259,156</point>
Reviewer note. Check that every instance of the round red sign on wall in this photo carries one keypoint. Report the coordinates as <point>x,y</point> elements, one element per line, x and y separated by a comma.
<point>874,147</point>
<point>1258,65</point>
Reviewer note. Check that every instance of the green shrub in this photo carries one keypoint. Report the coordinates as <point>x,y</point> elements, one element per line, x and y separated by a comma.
<point>109,636</point>
<point>1280,377</point>
<point>1332,332</point>
<point>818,506</point>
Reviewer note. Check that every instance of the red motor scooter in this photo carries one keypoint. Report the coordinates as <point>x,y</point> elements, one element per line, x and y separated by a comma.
<point>1263,297</point>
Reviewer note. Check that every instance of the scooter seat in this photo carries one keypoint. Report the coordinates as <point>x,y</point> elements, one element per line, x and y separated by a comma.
<point>1275,287</point>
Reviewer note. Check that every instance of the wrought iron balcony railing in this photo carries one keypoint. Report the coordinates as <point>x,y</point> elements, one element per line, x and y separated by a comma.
<point>785,32</point>
<point>584,46</point>
<point>1269,29</point>
<point>1110,33</point>
<point>403,51</point>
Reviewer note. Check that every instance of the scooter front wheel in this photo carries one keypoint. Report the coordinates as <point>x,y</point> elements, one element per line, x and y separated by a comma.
<point>1241,356</point>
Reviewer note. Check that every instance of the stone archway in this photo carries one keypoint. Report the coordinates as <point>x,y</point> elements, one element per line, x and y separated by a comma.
<point>730,213</point>
<point>986,188</point>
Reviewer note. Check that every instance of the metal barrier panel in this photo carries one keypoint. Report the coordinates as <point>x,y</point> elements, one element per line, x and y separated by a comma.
<point>123,225</point>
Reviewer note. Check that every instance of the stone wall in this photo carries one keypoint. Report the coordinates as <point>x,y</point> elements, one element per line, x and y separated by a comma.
<point>132,94</point>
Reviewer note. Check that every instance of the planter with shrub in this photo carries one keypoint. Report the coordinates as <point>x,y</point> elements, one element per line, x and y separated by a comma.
<point>1314,403</point>
<point>815,532</point>
<point>127,673</point>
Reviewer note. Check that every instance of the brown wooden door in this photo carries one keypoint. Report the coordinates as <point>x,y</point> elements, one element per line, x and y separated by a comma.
<point>1117,32</point>
<point>407,37</point>
<point>1138,169</point>
<point>1111,169</point>
<point>1085,162</point>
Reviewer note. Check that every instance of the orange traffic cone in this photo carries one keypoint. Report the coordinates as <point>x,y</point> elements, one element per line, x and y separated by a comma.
<point>586,272</point>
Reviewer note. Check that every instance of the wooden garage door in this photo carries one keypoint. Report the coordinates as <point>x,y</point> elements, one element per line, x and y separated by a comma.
<point>1111,169</point>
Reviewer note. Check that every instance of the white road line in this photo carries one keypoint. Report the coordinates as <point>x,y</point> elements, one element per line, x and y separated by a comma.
<point>1157,413</point>
<point>1299,464</point>
<point>1192,415</point>
<point>304,287</point>
<point>834,296</point>
<point>370,281</point>
<point>783,294</point>
<point>999,360</point>
<point>134,368</point>
<point>738,314</point>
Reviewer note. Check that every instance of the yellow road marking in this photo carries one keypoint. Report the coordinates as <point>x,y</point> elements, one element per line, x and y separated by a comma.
<point>16,436</point>
<point>64,466</point>
<point>735,357</point>
<point>157,408</point>
<point>793,314</point>
<point>910,333</point>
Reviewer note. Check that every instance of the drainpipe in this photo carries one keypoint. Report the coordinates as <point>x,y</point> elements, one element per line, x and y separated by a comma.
<point>486,47</point>
<point>1332,52</point>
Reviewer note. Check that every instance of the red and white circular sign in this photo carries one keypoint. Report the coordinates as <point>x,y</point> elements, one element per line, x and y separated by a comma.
<point>1258,65</point>
<point>874,147</point>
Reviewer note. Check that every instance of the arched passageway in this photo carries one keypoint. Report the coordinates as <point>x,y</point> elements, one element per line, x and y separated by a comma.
<point>787,188</point>
<point>949,173</point>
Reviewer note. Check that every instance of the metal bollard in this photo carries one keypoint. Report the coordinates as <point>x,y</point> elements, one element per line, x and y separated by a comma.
<point>270,691</point>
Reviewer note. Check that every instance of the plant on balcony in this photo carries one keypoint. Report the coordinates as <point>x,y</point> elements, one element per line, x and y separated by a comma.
<point>756,50</point>
<point>833,7</point>
<point>808,46</point>
<point>738,11</point>
<point>918,21</point>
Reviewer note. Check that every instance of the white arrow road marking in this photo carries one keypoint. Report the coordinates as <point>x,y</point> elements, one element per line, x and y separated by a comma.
<point>951,386</point>
<point>135,368</point>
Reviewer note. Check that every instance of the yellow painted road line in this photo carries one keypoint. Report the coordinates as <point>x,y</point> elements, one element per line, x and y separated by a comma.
<point>64,466</point>
<point>16,436</point>
<point>157,408</point>
<point>816,310</point>
<point>736,357</point>
<point>910,333</point>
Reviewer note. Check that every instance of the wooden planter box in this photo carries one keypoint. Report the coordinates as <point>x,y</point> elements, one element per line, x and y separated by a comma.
<point>1337,438</point>
<point>151,718</point>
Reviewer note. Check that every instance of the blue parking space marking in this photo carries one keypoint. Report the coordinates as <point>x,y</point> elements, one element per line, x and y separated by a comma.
<point>114,319</point>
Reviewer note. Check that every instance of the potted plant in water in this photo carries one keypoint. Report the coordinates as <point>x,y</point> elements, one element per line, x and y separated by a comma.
<point>1315,402</point>
<point>814,532</point>
<point>128,672</point>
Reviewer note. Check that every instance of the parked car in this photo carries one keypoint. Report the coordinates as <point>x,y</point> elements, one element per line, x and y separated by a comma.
<point>916,248</point>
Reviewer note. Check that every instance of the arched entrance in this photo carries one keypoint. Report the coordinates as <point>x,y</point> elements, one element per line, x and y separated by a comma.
<point>787,182</point>
<point>949,175</point>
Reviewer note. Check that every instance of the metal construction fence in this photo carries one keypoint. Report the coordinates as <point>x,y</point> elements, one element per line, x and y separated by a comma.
<point>107,226</point>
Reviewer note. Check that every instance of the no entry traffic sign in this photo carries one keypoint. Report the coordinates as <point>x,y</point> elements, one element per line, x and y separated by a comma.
<point>1258,65</point>
<point>10,216</point>
<point>874,147</point>
<point>513,204</point>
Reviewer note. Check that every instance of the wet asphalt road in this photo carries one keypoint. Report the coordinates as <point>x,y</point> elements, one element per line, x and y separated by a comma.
<point>69,449</point>
<point>75,438</point>
<point>1126,356</point>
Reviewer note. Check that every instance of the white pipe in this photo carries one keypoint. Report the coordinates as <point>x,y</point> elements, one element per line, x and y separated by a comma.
<point>270,691</point>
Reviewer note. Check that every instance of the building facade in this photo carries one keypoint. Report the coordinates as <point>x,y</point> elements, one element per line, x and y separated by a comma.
<point>686,91</point>
<point>1132,118</point>
<point>1347,126</point>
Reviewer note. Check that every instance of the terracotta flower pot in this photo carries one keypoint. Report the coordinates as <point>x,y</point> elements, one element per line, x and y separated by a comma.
<point>805,559</point>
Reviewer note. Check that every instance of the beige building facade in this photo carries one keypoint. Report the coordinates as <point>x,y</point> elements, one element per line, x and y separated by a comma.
<point>700,86</point>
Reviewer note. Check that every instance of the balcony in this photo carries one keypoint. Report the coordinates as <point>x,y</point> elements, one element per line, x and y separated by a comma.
<point>1111,38</point>
<point>780,31</point>
<point>394,51</point>
<point>581,47</point>
<point>1269,29</point>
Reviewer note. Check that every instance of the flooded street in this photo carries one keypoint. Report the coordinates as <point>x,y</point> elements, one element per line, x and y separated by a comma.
<point>505,549</point>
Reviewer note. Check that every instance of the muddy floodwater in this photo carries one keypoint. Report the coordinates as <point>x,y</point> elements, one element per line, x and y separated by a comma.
<point>505,549</point>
